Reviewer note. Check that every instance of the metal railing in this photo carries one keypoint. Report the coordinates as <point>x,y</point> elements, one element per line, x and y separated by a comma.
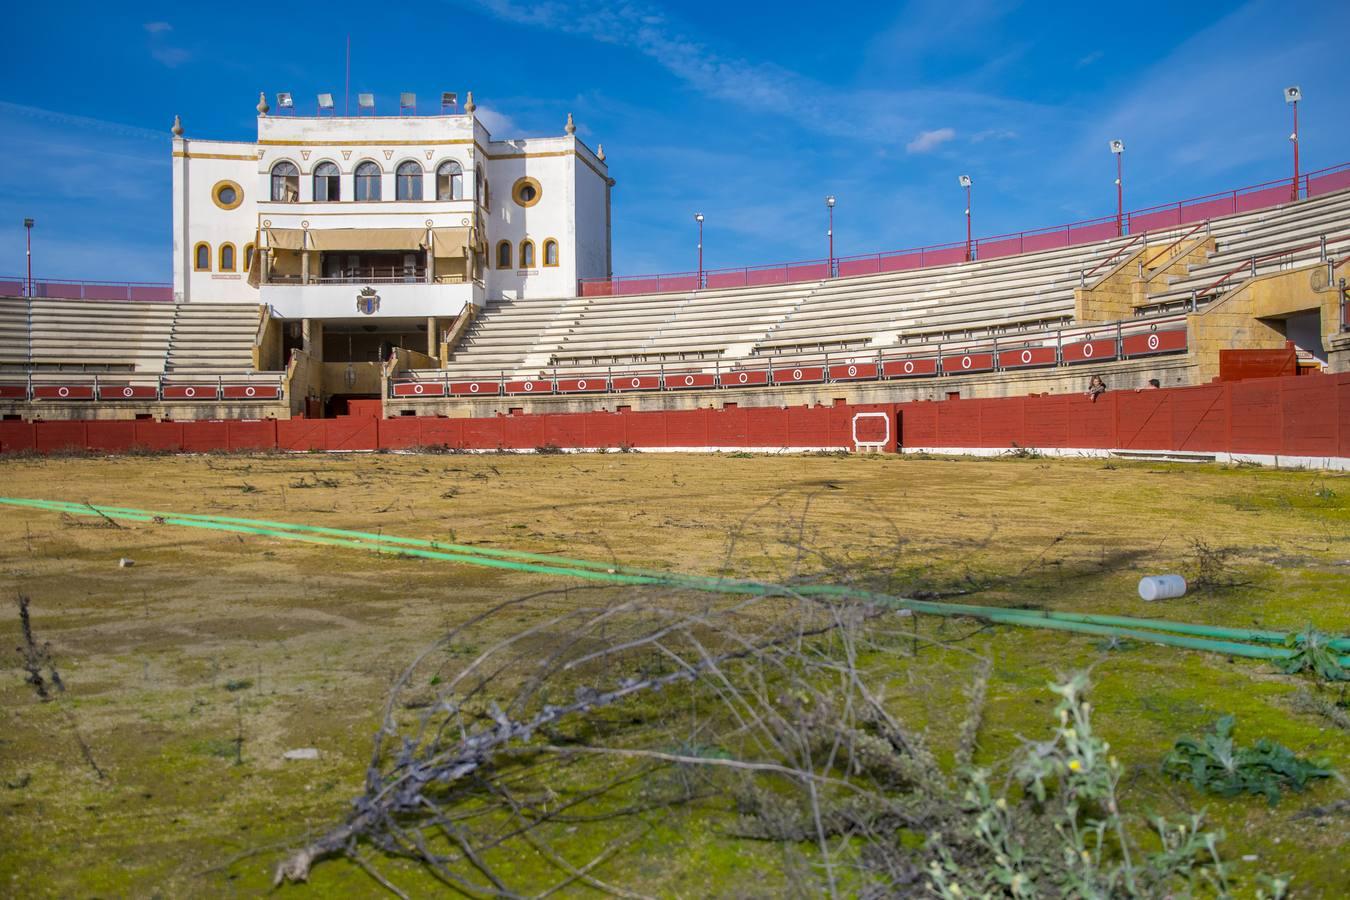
<point>1249,265</point>
<point>65,289</point>
<point>1154,218</point>
<point>130,387</point>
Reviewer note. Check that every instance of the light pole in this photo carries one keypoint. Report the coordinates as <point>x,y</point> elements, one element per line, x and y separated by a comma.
<point>829,270</point>
<point>1118,148</point>
<point>698,217</point>
<point>1292,95</point>
<point>28,227</point>
<point>965,182</point>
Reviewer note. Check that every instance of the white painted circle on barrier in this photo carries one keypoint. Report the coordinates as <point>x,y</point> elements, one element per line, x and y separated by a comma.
<point>128,392</point>
<point>796,374</point>
<point>189,392</point>
<point>852,371</point>
<point>63,392</point>
<point>581,385</point>
<point>1153,342</point>
<point>965,362</point>
<point>529,386</point>
<point>249,392</point>
<point>909,368</point>
<point>743,378</point>
<point>637,382</point>
<point>1087,350</point>
<point>1026,356</point>
<point>417,389</point>
<point>473,388</point>
<point>689,380</point>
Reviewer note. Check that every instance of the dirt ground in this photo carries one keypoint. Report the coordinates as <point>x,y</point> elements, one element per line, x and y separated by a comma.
<point>191,672</point>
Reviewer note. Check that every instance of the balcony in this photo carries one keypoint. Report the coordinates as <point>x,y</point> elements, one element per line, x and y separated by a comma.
<point>384,295</point>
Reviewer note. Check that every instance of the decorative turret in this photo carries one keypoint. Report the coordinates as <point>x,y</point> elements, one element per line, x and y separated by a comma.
<point>177,128</point>
<point>262,103</point>
<point>600,152</point>
<point>570,127</point>
<point>469,105</point>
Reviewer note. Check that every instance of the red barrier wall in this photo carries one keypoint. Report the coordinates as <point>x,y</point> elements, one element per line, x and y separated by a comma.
<point>1304,416</point>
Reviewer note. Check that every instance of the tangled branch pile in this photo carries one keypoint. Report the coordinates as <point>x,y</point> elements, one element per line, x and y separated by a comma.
<point>527,749</point>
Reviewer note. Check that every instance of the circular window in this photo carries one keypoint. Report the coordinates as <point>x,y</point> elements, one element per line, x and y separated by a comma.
<point>227,194</point>
<point>526,191</point>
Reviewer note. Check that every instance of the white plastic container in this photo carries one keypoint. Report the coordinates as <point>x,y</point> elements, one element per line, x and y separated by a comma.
<point>1161,587</point>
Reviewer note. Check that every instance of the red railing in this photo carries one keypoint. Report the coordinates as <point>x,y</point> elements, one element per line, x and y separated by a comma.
<point>62,289</point>
<point>1153,218</point>
<point>1249,265</point>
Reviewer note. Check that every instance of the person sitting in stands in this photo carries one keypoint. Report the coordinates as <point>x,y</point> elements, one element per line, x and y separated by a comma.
<point>1154,384</point>
<point>1096,387</point>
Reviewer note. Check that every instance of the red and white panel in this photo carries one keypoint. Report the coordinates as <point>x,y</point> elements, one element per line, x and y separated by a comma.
<point>190,392</point>
<point>1026,357</point>
<point>745,379</point>
<point>909,368</point>
<point>1155,342</point>
<point>591,384</point>
<point>530,386</point>
<point>63,392</point>
<point>636,382</point>
<point>852,371</point>
<point>690,380</point>
<point>419,389</point>
<point>799,374</point>
<point>960,363</point>
<point>127,392</point>
<point>251,391</point>
<point>473,388</point>
<point>1090,351</point>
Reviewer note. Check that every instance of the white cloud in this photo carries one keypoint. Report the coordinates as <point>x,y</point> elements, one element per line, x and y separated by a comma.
<point>930,140</point>
<point>171,57</point>
<point>500,125</point>
<point>158,27</point>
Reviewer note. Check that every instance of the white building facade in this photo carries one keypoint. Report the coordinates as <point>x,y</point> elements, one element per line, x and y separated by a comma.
<point>372,218</point>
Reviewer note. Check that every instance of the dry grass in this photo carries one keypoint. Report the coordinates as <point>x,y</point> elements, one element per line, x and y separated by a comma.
<point>149,653</point>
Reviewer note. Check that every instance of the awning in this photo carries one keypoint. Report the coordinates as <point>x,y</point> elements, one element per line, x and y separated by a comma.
<point>367,238</point>
<point>285,239</point>
<point>449,243</point>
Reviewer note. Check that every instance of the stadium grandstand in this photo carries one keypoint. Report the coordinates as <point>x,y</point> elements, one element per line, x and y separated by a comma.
<point>440,308</point>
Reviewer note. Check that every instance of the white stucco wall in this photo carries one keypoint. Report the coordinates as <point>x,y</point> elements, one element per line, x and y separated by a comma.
<point>199,166</point>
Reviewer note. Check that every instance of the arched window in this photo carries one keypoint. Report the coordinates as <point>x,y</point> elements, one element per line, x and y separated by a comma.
<point>550,252</point>
<point>367,181</point>
<point>201,258</point>
<point>248,257</point>
<point>226,258</point>
<point>449,181</point>
<point>408,181</point>
<point>527,254</point>
<point>285,182</point>
<point>503,254</point>
<point>327,183</point>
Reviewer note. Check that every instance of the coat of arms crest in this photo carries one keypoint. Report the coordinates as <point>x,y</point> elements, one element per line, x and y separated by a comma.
<point>368,302</point>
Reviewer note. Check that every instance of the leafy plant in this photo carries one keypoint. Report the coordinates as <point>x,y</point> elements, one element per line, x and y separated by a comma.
<point>1215,765</point>
<point>1313,653</point>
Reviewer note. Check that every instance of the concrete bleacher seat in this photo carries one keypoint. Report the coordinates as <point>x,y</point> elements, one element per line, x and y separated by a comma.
<point>211,340</point>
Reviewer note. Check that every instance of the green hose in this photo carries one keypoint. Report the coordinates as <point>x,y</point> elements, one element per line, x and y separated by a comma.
<point>1231,641</point>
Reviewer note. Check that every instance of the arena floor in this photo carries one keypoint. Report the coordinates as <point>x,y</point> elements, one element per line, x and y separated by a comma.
<point>189,673</point>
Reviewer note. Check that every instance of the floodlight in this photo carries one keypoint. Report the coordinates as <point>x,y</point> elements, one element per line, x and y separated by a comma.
<point>1117,146</point>
<point>964,181</point>
<point>365,101</point>
<point>1293,94</point>
<point>284,100</point>
<point>449,98</point>
<point>325,101</point>
<point>27,223</point>
<point>698,217</point>
<point>829,201</point>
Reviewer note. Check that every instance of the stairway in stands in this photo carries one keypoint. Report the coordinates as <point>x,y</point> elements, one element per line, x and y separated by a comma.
<point>210,340</point>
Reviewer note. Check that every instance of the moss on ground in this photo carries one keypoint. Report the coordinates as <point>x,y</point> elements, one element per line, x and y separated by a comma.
<point>149,652</point>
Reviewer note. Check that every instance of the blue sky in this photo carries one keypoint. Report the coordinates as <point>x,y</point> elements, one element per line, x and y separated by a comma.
<point>749,112</point>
